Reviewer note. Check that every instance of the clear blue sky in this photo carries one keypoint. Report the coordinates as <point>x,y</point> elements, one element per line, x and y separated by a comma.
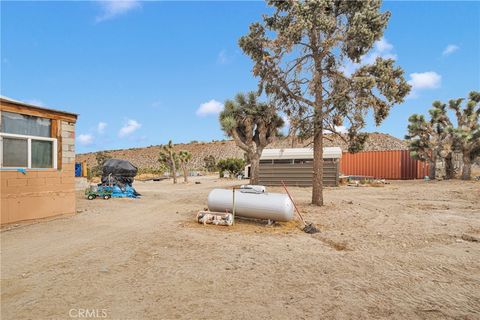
<point>138,72</point>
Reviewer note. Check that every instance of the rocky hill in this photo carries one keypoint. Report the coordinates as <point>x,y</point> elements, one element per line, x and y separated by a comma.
<point>146,158</point>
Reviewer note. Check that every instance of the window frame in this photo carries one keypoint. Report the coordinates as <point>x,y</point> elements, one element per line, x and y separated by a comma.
<point>29,150</point>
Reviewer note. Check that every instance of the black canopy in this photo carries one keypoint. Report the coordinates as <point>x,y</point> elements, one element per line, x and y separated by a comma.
<point>118,167</point>
<point>118,172</point>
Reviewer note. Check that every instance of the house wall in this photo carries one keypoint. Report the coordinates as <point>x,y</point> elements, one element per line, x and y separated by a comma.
<point>41,193</point>
<point>297,174</point>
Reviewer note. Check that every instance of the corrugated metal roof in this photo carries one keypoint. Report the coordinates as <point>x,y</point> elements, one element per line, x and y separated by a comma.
<point>388,164</point>
<point>300,153</point>
<point>35,106</point>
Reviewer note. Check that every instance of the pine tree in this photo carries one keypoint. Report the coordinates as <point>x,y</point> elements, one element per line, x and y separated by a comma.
<point>300,53</point>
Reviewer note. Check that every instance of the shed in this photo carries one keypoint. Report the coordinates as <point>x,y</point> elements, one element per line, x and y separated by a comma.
<point>37,161</point>
<point>295,166</point>
<point>385,164</point>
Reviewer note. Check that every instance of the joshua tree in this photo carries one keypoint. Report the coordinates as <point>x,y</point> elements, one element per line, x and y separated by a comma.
<point>300,54</point>
<point>252,124</point>
<point>185,157</point>
<point>169,158</point>
<point>431,140</point>
<point>467,133</point>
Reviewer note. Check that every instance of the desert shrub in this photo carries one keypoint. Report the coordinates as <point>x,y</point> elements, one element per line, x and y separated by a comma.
<point>151,170</point>
<point>210,163</point>
<point>96,171</point>
<point>234,166</point>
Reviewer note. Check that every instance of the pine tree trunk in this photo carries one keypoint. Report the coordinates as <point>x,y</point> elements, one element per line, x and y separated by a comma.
<point>254,169</point>
<point>467,167</point>
<point>317,179</point>
<point>293,135</point>
<point>294,140</point>
<point>317,191</point>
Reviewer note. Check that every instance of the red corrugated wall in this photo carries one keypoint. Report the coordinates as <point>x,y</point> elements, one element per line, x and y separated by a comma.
<point>391,164</point>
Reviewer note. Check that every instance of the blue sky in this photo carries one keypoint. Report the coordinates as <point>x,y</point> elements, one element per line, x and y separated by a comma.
<point>141,73</point>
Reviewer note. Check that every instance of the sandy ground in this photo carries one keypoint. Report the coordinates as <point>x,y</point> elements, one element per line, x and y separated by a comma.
<point>383,252</point>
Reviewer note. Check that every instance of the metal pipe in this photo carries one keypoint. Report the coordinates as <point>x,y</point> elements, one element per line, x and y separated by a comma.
<point>291,199</point>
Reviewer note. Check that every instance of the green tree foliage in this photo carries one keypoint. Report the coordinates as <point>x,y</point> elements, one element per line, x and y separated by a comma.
<point>252,124</point>
<point>210,163</point>
<point>431,140</point>
<point>152,170</point>
<point>184,157</point>
<point>300,53</point>
<point>169,158</point>
<point>234,166</point>
<point>97,170</point>
<point>466,135</point>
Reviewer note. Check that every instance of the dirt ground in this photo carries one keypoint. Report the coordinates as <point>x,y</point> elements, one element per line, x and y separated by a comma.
<point>383,252</point>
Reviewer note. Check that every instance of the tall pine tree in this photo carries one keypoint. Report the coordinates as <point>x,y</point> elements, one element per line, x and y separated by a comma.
<point>300,54</point>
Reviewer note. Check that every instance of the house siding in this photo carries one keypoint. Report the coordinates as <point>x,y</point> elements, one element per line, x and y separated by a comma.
<point>297,174</point>
<point>41,193</point>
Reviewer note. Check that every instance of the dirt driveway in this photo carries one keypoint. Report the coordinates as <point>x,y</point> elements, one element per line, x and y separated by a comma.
<point>384,252</point>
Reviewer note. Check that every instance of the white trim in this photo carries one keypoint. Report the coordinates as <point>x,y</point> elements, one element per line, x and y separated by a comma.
<point>12,135</point>
<point>29,152</point>
<point>55,154</point>
<point>29,149</point>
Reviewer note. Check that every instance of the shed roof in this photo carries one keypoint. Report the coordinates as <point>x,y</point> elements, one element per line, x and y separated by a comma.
<point>300,153</point>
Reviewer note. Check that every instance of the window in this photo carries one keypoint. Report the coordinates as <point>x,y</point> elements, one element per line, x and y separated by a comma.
<point>16,123</point>
<point>266,161</point>
<point>304,160</point>
<point>283,161</point>
<point>25,142</point>
<point>42,154</point>
<point>15,152</point>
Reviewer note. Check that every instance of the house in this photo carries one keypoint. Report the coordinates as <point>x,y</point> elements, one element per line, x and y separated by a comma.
<point>37,161</point>
<point>294,166</point>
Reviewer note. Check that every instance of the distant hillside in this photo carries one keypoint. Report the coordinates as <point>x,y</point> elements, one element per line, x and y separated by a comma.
<point>147,157</point>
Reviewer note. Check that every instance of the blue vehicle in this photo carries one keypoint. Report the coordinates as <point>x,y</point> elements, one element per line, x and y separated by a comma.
<point>94,192</point>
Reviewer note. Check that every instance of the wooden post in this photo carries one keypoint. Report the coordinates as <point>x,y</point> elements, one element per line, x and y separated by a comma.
<point>84,168</point>
<point>233,207</point>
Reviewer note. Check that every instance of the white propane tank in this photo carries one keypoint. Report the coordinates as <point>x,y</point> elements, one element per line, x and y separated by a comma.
<point>273,206</point>
<point>252,188</point>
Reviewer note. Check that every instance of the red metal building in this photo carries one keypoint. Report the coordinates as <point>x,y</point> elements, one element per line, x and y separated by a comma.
<point>391,164</point>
